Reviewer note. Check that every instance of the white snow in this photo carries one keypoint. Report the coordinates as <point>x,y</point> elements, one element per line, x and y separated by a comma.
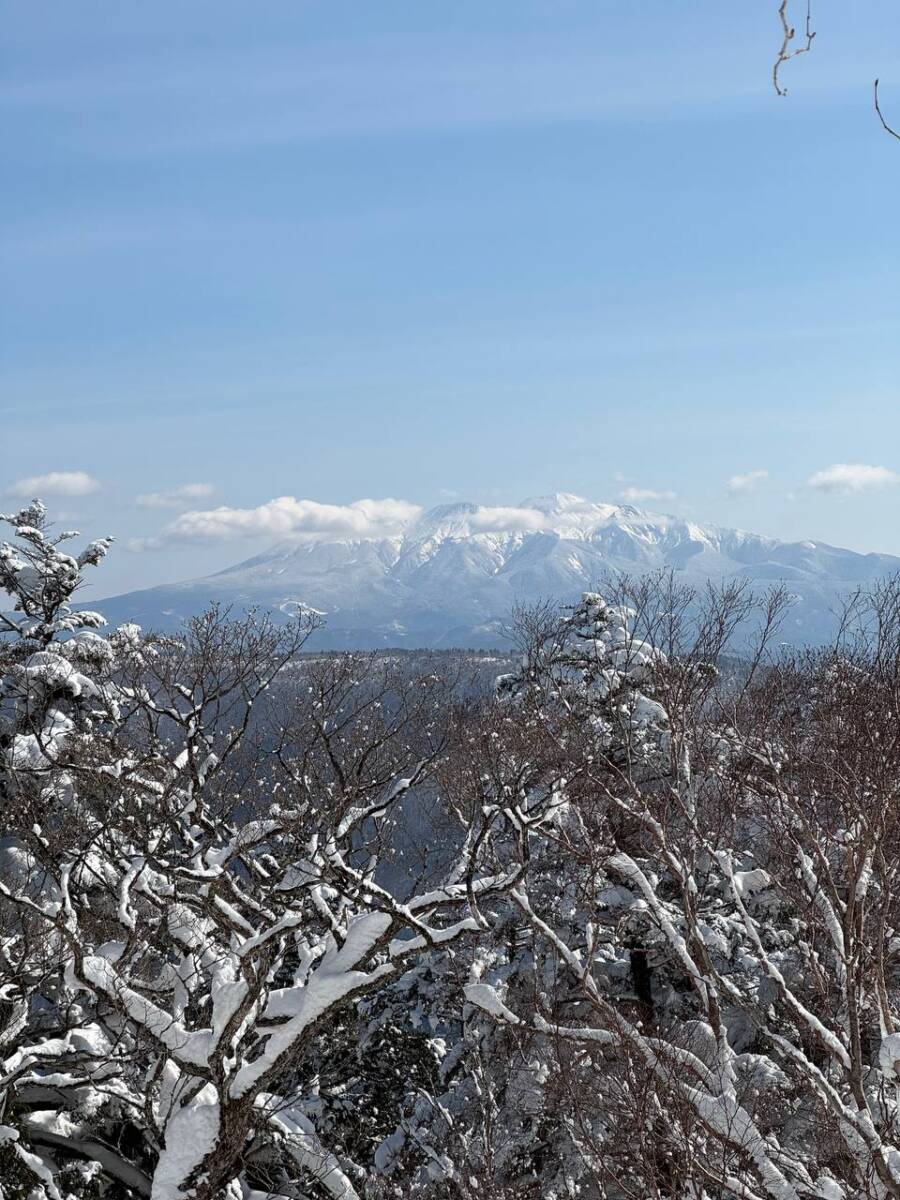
<point>191,1133</point>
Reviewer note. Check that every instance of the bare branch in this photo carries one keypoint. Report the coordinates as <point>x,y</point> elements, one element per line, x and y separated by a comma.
<point>785,54</point>
<point>884,124</point>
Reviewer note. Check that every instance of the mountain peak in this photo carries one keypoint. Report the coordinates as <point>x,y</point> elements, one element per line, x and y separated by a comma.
<point>444,520</point>
<point>560,502</point>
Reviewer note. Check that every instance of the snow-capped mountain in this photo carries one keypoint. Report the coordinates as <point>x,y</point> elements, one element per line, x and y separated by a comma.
<point>450,579</point>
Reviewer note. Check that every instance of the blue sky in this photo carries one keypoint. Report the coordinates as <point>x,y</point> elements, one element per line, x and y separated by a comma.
<point>419,249</point>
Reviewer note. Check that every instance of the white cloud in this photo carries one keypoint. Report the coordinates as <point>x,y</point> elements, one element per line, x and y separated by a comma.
<point>748,482</point>
<point>851,477</point>
<point>634,495</point>
<point>508,519</point>
<point>285,516</point>
<point>178,497</point>
<point>54,483</point>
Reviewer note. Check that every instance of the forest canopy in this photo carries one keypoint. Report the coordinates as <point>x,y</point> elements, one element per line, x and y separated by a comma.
<point>279,924</point>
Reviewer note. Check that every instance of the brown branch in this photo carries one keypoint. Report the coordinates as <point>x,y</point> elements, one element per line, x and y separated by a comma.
<point>892,132</point>
<point>789,32</point>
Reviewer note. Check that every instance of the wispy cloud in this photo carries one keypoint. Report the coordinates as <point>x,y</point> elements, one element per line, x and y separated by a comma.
<point>368,86</point>
<point>748,482</point>
<point>285,516</point>
<point>637,495</point>
<point>851,477</point>
<point>54,483</point>
<point>178,497</point>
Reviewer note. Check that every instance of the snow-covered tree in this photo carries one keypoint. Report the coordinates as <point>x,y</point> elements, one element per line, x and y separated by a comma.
<point>741,858</point>
<point>192,894</point>
<point>276,924</point>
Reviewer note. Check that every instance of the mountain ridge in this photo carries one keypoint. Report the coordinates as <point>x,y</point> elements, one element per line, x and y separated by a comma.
<point>454,573</point>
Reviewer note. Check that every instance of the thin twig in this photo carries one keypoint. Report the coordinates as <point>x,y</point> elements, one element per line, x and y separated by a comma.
<point>784,54</point>
<point>892,132</point>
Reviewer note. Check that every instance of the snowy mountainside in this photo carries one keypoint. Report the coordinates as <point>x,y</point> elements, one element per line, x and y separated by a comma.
<point>447,580</point>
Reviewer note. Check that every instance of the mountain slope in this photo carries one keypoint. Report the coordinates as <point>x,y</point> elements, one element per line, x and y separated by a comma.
<point>448,580</point>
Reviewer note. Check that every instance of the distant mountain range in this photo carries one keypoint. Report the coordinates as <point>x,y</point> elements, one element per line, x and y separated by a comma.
<point>447,581</point>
